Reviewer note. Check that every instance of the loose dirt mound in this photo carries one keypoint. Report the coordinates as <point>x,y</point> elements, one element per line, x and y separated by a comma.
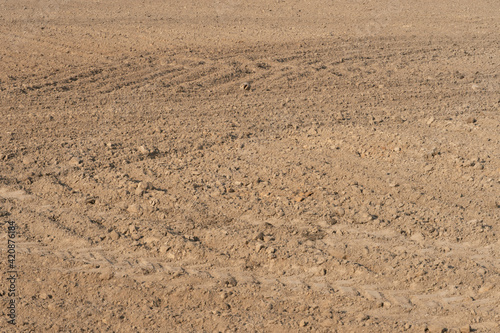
<point>352,186</point>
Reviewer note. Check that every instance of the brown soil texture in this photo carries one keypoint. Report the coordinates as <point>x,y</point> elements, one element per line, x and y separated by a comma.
<point>263,166</point>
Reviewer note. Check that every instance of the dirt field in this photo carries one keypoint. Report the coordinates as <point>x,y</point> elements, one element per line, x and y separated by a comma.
<point>352,185</point>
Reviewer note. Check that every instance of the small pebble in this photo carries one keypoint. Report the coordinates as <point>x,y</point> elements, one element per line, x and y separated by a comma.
<point>398,119</point>
<point>90,201</point>
<point>271,250</point>
<point>75,161</point>
<point>164,248</point>
<point>268,238</point>
<point>44,296</point>
<point>339,211</point>
<point>362,218</point>
<point>136,236</point>
<point>428,168</point>
<point>28,160</point>
<point>231,282</point>
<point>107,274</point>
<point>363,317</point>
<point>245,86</point>
<point>113,235</point>
<point>487,287</point>
<point>298,199</point>
<point>145,186</point>
<point>435,329</point>
<point>259,236</point>
<point>465,329</point>
<point>144,150</point>
<point>151,240</point>
<point>471,120</point>
<point>133,209</point>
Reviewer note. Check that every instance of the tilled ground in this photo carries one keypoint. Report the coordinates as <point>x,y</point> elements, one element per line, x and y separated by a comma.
<point>354,187</point>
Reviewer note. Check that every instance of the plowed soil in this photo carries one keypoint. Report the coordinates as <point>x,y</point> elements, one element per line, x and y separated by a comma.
<point>263,166</point>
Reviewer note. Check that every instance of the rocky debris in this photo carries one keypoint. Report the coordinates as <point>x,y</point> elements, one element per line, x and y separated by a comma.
<point>400,152</point>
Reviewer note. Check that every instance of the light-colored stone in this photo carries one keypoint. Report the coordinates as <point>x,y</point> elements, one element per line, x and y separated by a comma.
<point>113,235</point>
<point>259,247</point>
<point>27,160</point>
<point>134,208</point>
<point>246,86</point>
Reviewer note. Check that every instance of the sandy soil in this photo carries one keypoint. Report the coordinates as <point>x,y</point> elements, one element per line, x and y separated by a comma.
<point>354,187</point>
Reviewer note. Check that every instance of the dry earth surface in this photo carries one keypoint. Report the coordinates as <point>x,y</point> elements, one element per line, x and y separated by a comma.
<point>354,187</point>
